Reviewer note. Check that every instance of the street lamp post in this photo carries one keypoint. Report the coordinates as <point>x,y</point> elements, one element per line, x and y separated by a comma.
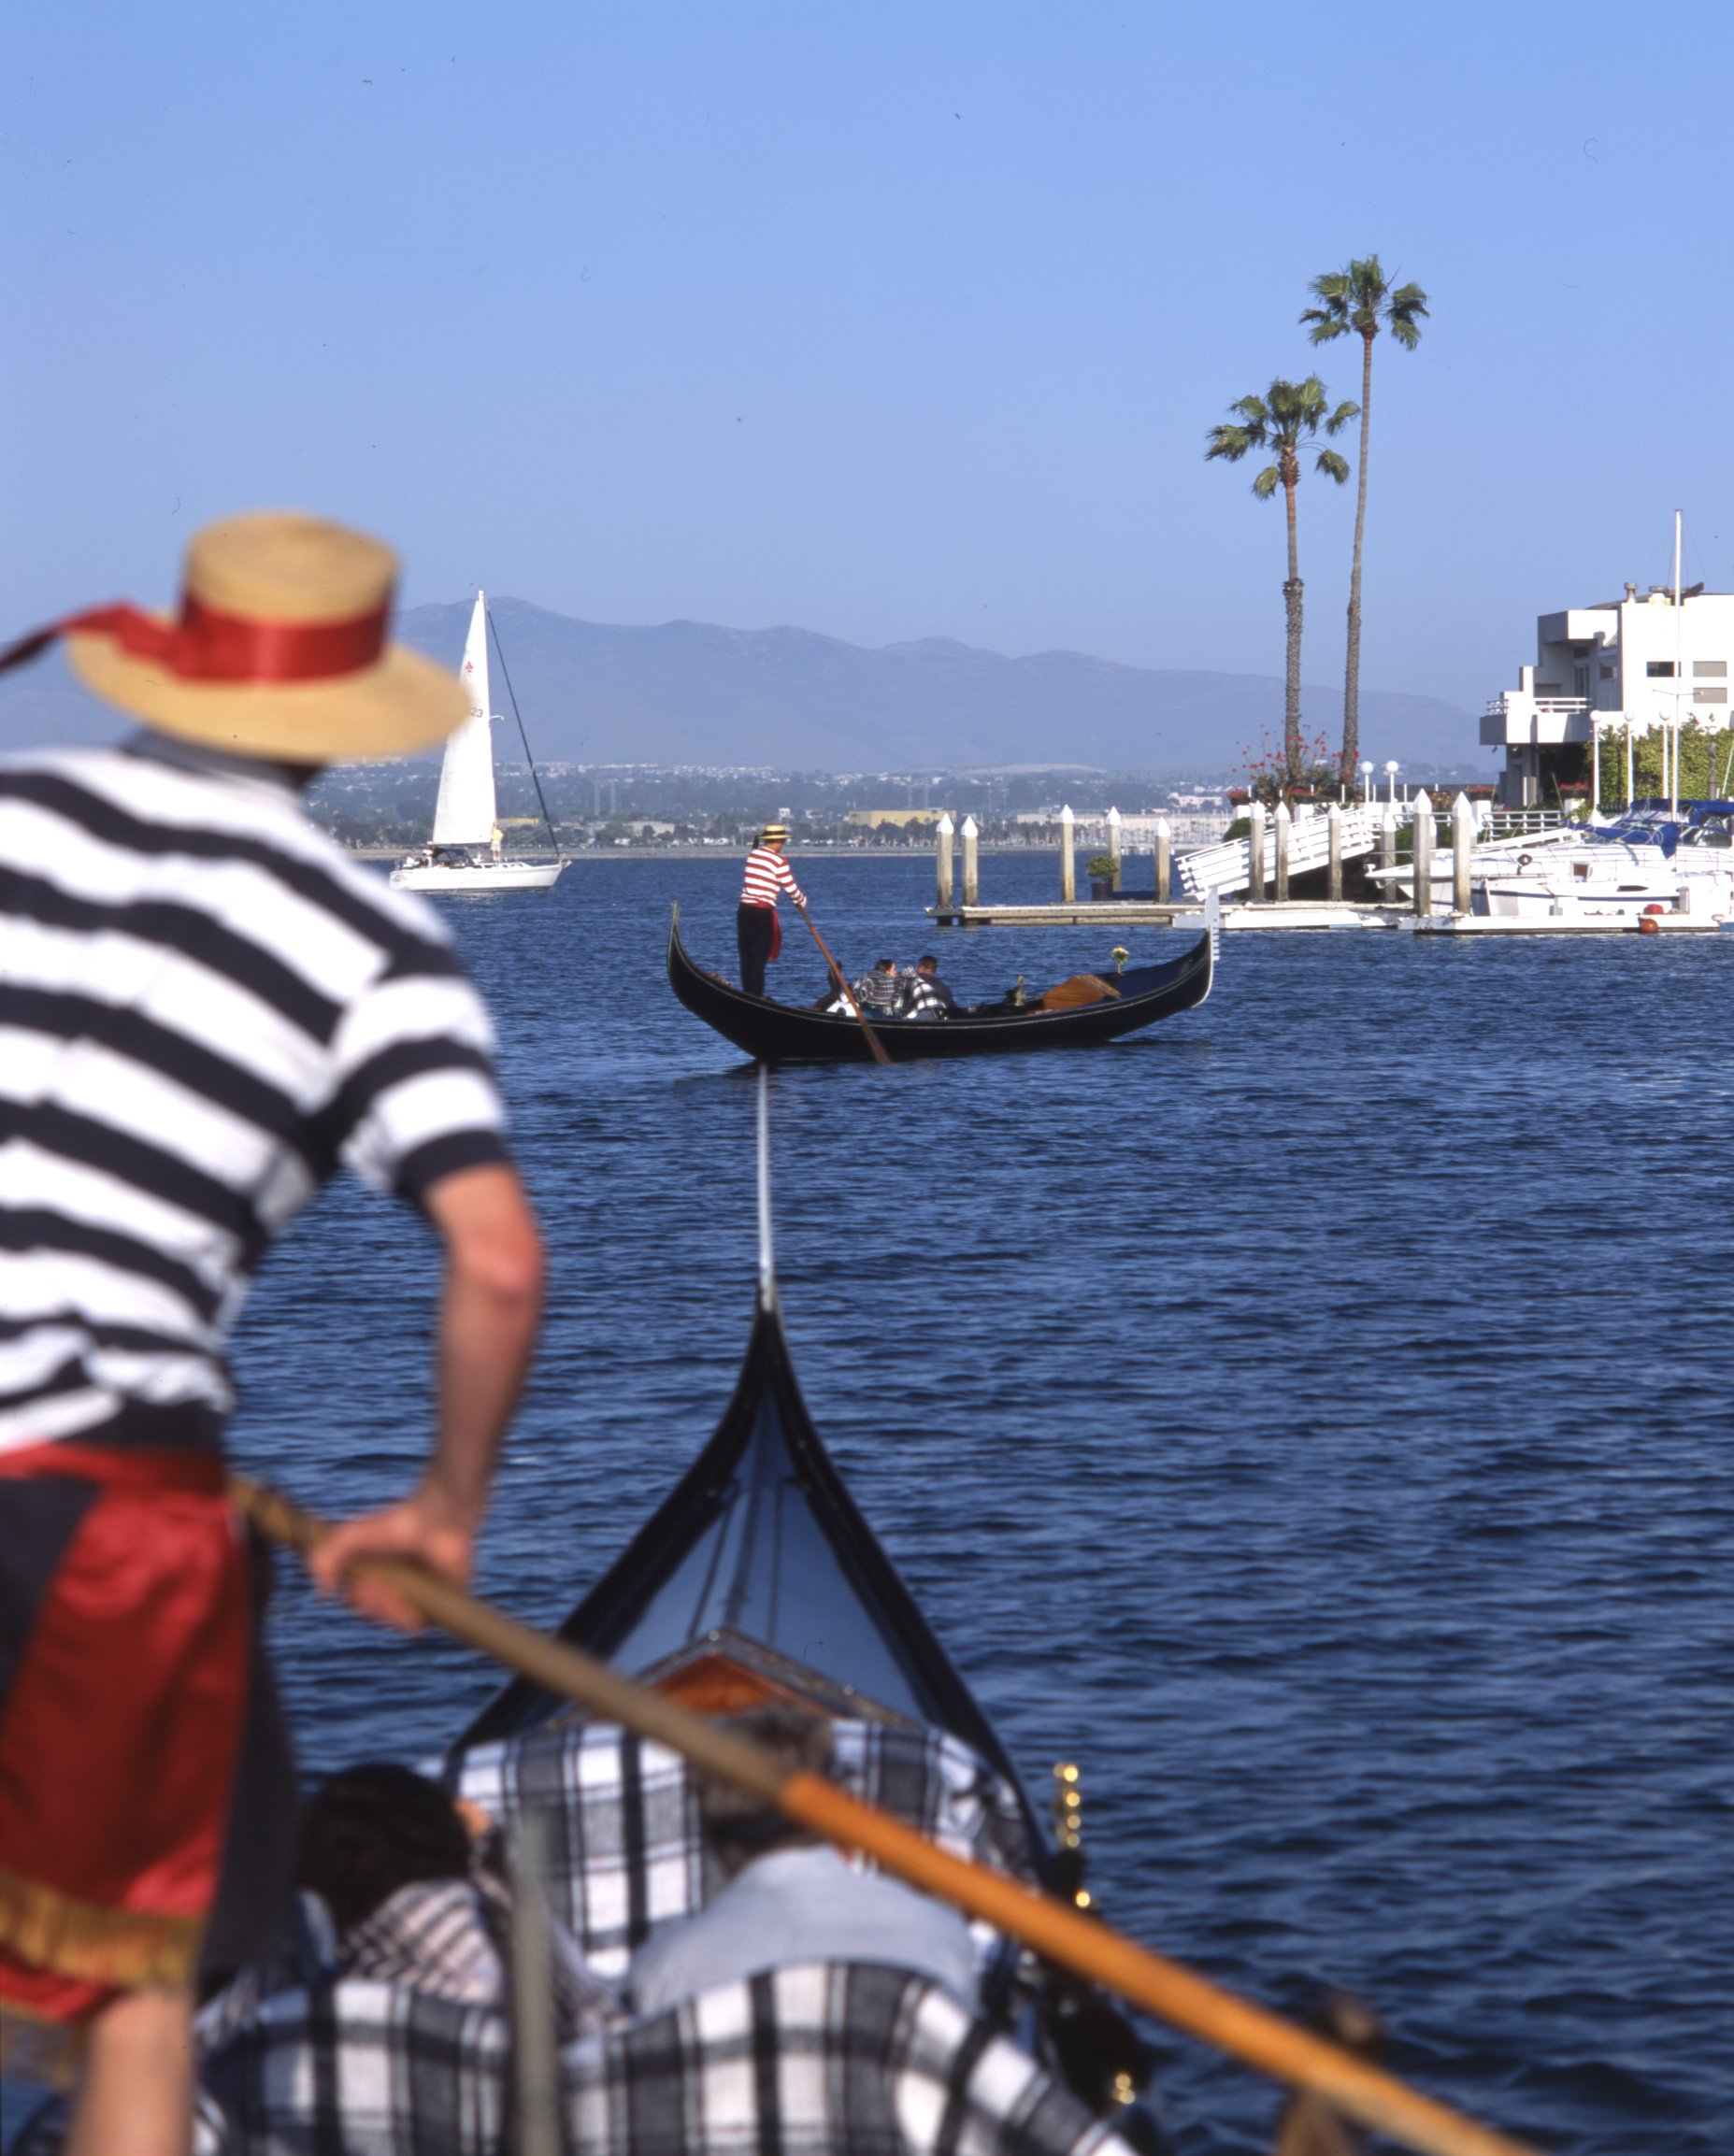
<point>1391,770</point>
<point>1366,783</point>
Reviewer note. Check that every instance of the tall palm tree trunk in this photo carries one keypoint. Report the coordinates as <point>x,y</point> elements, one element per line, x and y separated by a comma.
<point>1352,665</point>
<point>1291,599</point>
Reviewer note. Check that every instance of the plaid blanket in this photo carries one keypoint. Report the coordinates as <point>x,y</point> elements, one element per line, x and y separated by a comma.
<point>445,1938</point>
<point>817,2060</point>
<point>624,1851</point>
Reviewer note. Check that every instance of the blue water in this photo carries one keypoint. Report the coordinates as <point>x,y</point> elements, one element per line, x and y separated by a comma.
<point>1311,1416</point>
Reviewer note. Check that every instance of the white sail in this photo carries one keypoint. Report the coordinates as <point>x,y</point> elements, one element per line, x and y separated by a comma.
<point>464,814</point>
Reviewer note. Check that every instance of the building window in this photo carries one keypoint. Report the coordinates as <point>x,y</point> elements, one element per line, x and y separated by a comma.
<point>1710,695</point>
<point>1607,673</point>
<point>1711,669</point>
<point>1659,669</point>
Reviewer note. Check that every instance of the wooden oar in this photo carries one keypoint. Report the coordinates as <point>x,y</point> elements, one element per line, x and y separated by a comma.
<point>1054,1929</point>
<point>874,1042</point>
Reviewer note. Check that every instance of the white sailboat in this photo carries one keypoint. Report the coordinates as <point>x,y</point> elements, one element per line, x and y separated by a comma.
<point>465,850</point>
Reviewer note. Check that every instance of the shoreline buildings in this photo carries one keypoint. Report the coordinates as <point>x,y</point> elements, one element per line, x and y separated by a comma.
<point>1623,664</point>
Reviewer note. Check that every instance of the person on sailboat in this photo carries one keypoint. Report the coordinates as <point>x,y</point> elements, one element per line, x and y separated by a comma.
<point>207,1006</point>
<point>758,929</point>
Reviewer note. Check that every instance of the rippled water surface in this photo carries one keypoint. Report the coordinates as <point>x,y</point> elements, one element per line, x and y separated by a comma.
<point>1312,1416</point>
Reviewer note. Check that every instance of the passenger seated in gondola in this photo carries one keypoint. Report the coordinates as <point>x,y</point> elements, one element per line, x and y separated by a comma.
<point>792,1899</point>
<point>879,992</point>
<point>924,994</point>
<point>394,1887</point>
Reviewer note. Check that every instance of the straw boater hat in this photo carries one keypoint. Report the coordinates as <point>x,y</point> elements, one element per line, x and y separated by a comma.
<point>278,650</point>
<point>774,834</point>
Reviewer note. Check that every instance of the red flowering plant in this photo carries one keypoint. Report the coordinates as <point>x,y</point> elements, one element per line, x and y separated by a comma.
<point>1267,768</point>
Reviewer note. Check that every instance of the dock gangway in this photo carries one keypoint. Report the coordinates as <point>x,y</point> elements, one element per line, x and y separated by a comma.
<point>1229,867</point>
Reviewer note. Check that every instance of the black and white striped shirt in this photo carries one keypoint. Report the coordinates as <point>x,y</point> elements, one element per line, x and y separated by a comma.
<point>205,1008</point>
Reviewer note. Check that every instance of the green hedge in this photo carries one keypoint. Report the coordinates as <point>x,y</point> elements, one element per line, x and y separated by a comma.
<point>1704,754</point>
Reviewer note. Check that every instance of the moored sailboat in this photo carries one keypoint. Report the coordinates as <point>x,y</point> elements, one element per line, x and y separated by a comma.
<point>465,851</point>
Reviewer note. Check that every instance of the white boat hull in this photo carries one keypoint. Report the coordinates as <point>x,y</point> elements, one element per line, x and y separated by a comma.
<point>492,876</point>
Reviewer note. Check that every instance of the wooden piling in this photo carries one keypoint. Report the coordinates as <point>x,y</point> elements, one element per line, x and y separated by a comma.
<point>1113,845</point>
<point>1068,867</point>
<point>1255,854</point>
<point>943,836</point>
<point>1387,835</point>
<point>1423,807</point>
<point>1333,832</point>
<point>1165,864</point>
<point>972,864</point>
<point>1284,825</point>
<point>1461,853</point>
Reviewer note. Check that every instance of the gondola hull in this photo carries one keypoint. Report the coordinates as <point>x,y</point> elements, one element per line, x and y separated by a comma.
<point>778,1032</point>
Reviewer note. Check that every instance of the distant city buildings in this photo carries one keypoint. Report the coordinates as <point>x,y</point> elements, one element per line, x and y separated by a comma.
<point>1633,661</point>
<point>615,806</point>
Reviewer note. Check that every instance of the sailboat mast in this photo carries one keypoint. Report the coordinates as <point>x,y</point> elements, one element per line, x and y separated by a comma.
<point>535,776</point>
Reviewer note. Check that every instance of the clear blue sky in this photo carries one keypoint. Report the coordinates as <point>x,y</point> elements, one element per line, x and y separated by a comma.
<point>890,322</point>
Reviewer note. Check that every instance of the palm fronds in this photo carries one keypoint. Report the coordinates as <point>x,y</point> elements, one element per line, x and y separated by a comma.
<point>1358,299</point>
<point>1281,419</point>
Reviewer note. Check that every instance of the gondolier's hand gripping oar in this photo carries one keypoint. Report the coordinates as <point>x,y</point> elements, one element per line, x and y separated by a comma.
<point>1053,1928</point>
<point>874,1042</point>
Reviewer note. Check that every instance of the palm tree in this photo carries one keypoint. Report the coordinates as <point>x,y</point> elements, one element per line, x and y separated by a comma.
<point>1287,415</point>
<point>1358,300</point>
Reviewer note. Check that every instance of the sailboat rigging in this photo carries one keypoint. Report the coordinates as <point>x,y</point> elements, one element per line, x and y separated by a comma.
<point>463,851</point>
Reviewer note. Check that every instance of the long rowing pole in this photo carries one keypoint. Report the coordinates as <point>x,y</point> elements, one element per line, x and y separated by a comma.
<point>1084,1944</point>
<point>874,1042</point>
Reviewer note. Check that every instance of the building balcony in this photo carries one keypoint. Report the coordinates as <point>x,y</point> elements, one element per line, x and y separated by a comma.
<point>1515,719</point>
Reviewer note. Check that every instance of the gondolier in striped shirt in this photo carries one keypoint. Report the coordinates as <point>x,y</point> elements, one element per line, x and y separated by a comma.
<point>757,928</point>
<point>205,1009</point>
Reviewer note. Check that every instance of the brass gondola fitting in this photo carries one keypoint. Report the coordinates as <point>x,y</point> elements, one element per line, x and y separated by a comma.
<point>1068,1805</point>
<point>1068,1835</point>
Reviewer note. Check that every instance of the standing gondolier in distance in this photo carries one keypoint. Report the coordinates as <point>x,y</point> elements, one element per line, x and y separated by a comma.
<point>757,928</point>
<point>205,1009</point>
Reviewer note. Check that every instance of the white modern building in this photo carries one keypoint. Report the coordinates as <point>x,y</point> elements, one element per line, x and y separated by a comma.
<point>1633,661</point>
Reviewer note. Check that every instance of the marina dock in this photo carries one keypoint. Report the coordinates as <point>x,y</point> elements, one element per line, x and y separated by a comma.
<point>1567,924</point>
<point>1114,913</point>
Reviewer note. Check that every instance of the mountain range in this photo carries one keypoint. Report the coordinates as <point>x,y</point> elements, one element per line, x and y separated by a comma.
<point>691,692</point>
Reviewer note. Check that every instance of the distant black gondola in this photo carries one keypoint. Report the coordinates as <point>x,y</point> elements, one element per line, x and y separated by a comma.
<point>778,1032</point>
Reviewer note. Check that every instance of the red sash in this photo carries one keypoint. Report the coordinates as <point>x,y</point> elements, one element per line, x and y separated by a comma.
<point>120,1732</point>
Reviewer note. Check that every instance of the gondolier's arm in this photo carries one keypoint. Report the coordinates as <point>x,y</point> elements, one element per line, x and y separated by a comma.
<point>488,1319</point>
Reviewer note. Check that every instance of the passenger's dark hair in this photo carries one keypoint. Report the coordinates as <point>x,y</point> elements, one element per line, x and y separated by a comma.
<point>741,1826</point>
<point>371,1830</point>
<point>927,957</point>
<point>884,966</point>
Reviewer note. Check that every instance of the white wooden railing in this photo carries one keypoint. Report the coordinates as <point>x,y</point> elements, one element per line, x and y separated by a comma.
<point>1229,867</point>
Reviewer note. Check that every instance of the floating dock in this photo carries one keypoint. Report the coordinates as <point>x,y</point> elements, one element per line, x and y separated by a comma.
<point>1115,913</point>
<point>1567,924</point>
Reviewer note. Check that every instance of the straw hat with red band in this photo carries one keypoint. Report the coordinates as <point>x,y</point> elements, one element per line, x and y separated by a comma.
<point>278,651</point>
